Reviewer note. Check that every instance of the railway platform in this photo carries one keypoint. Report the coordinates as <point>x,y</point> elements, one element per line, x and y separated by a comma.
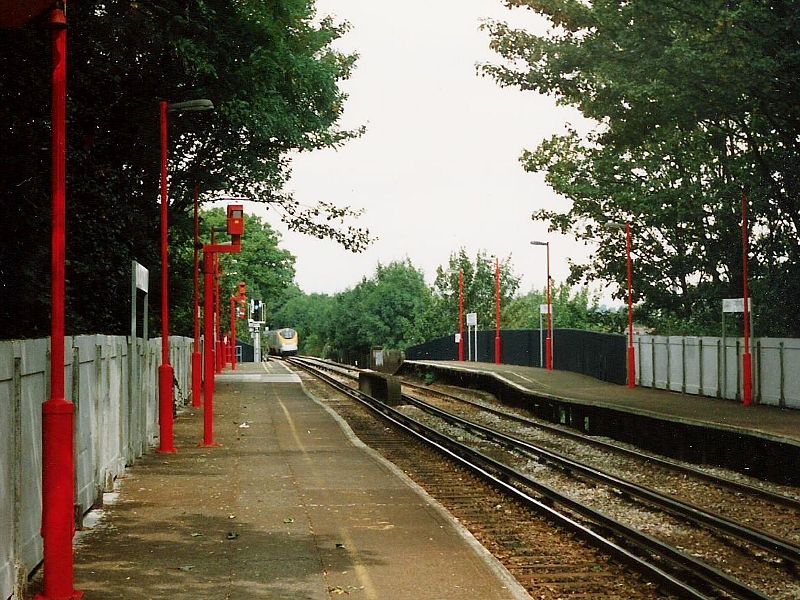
<point>759,440</point>
<point>291,506</point>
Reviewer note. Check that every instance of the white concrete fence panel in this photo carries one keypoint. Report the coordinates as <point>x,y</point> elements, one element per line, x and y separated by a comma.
<point>116,421</point>
<point>700,365</point>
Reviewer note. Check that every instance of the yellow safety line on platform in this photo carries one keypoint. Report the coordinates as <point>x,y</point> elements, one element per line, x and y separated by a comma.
<point>361,572</point>
<point>293,428</point>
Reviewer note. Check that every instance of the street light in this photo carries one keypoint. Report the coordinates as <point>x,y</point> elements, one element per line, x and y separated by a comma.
<point>58,413</point>
<point>747,360</point>
<point>165,370</point>
<point>631,351</point>
<point>549,341</point>
<point>461,316</point>
<point>497,342</point>
<point>197,366</point>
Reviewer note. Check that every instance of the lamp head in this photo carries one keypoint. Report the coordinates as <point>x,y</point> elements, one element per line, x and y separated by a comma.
<point>191,106</point>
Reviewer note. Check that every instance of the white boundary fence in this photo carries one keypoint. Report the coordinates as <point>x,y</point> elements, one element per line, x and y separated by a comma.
<point>116,420</point>
<point>698,365</point>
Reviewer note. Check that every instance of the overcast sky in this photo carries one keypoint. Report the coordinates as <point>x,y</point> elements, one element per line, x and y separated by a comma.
<point>438,167</point>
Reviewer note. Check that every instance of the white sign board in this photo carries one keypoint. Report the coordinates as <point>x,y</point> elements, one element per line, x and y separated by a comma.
<point>142,277</point>
<point>472,319</point>
<point>735,305</point>
<point>458,338</point>
<point>543,309</point>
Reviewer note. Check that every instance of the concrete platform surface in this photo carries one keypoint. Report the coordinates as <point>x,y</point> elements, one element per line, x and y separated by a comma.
<point>769,422</point>
<point>289,507</point>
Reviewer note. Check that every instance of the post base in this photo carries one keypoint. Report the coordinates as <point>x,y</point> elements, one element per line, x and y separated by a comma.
<point>631,367</point>
<point>74,595</point>
<point>166,442</point>
<point>197,379</point>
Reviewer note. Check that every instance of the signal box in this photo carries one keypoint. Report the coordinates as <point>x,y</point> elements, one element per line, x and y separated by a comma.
<point>235,219</point>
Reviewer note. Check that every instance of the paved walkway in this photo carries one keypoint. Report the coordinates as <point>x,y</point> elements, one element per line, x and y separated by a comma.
<point>767,421</point>
<point>289,507</point>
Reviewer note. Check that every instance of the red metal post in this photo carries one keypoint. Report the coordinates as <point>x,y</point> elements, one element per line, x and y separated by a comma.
<point>549,340</point>
<point>209,270</point>
<point>497,356</point>
<point>461,315</point>
<point>197,368</point>
<point>165,371</point>
<point>747,361</point>
<point>220,345</point>
<point>210,257</point>
<point>233,333</point>
<point>631,351</point>
<point>58,413</point>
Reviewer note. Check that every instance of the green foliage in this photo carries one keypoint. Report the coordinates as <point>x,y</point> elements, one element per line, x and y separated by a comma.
<point>386,310</point>
<point>694,103</point>
<point>570,309</point>
<point>273,76</point>
<point>310,315</point>
<point>479,291</point>
<point>267,269</point>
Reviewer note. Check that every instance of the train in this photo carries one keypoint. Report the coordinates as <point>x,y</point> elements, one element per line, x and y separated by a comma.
<point>283,342</point>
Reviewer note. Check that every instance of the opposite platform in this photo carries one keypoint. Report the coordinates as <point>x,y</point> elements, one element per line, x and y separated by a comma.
<point>289,507</point>
<point>761,440</point>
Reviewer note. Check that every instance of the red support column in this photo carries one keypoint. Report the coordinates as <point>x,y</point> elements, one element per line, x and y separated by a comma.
<point>165,371</point>
<point>747,361</point>
<point>233,333</point>
<point>461,315</point>
<point>58,413</point>
<point>549,340</point>
<point>197,368</point>
<point>497,356</point>
<point>220,346</point>
<point>631,351</point>
<point>208,350</point>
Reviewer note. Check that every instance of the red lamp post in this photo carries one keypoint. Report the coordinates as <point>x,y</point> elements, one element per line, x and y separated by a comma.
<point>461,316</point>
<point>58,413</point>
<point>747,361</point>
<point>631,351</point>
<point>165,370</point>
<point>210,252</point>
<point>197,367</point>
<point>549,340</point>
<point>220,346</point>
<point>233,334</point>
<point>497,356</point>
<point>239,299</point>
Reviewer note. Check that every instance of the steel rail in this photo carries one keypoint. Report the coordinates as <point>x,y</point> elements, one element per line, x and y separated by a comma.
<point>737,486</point>
<point>502,474</point>
<point>675,507</point>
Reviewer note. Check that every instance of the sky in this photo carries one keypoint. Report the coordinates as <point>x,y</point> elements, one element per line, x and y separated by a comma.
<point>438,167</point>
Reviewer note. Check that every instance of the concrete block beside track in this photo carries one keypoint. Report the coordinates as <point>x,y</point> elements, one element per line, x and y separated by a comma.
<point>381,386</point>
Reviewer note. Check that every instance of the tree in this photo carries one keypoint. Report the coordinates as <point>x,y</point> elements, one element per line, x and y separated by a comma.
<point>310,315</point>
<point>570,309</point>
<point>386,310</point>
<point>693,104</point>
<point>267,269</point>
<point>274,79</point>
<point>479,291</point>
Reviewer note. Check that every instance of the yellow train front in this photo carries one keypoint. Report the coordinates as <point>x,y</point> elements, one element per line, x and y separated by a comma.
<point>283,342</point>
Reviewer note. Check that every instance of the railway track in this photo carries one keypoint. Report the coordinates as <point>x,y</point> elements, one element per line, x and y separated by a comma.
<point>674,569</point>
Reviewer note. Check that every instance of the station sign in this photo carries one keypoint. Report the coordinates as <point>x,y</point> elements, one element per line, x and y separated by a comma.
<point>141,276</point>
<point>472,319</point>
<point>736,305</point>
